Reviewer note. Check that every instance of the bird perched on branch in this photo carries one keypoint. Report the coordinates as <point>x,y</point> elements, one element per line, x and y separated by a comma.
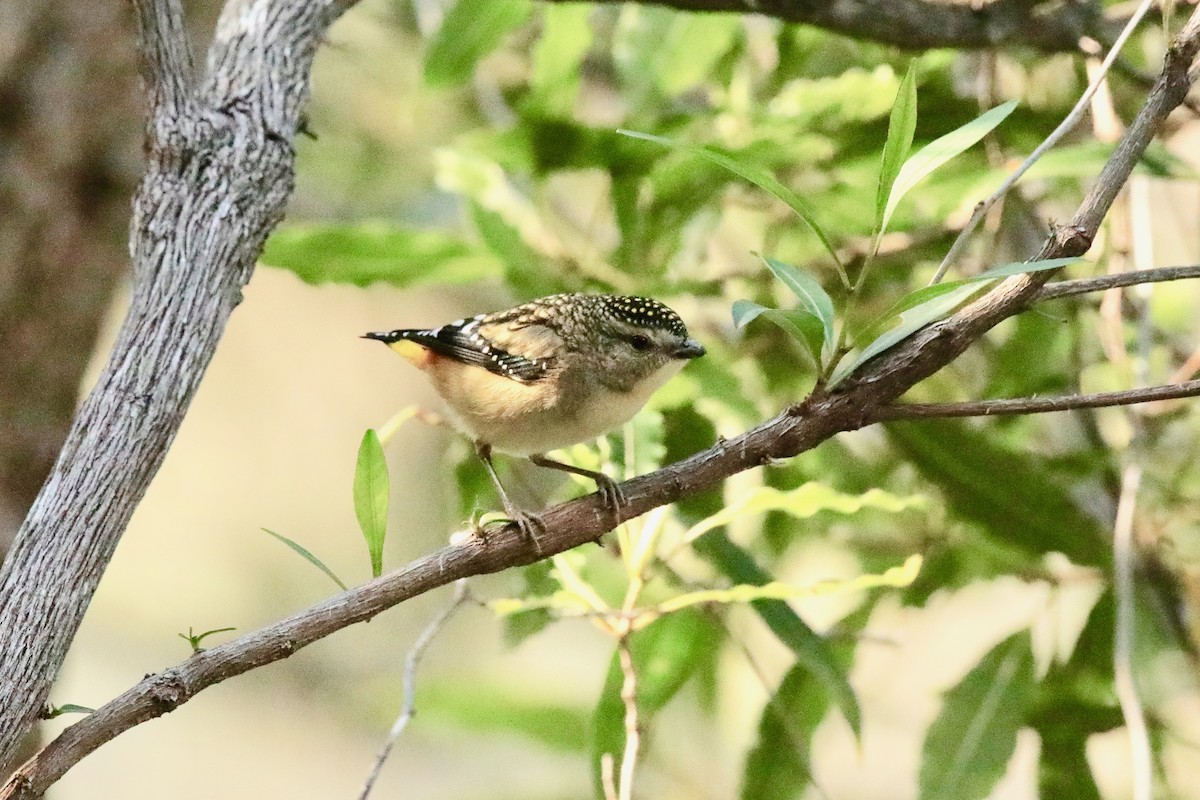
<point>548,374</point>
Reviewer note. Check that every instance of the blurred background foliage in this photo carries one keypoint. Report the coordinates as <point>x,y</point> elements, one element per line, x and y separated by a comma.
<point>466,158</point>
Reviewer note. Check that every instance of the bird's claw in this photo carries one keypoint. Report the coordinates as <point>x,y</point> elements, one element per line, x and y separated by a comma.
<point>611,492</point>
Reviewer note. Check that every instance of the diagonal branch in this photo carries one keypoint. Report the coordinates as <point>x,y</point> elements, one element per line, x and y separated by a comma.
<point>856,402</point>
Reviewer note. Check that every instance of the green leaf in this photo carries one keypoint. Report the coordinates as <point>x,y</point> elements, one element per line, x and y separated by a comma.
<point>901,127</point>
<point>969,744</point>
<point>194,639</point>
<point>566,37</point>
<point>805,501</point>
<point>759,178</point>
<point>364,253</point>
<point>932,303</point>
<point>912,320</point>
<point>495,708</point>
<point>778,765</point>
<point>68,708</point>
<point>811,294</point>
<point>307,556</point>
<point>1015,498</point>
<point>686,55</point>
<point>812,651</point>
<point>800,325</point>
<point>665,654</point>
<point>371,490</point>
<point>470,30</point>
<point>939,151</point>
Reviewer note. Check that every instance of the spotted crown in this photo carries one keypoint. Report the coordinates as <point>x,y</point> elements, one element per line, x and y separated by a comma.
<point>642,311</point>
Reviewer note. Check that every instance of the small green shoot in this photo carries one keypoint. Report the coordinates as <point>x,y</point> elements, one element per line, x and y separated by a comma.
<point>51,711</point>
<point>371,490</point>
<point>307,556</point>
<point>932,303</point>
<point>194,639</point>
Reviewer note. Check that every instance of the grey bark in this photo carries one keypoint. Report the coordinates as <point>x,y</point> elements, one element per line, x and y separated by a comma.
<point>219,170</point>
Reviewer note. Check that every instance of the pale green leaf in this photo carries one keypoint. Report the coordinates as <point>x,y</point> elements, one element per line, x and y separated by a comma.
<point>970,743</point>
<point>566,37</point>
<point>896,577</point>
<point>812,295</point>
<point>366,252</point>
<point>901,126</point>
<point>371,490</point>
<point>807,500</point>
<point>470,30</point>
<point>800,325</point>
<point>939,151</point>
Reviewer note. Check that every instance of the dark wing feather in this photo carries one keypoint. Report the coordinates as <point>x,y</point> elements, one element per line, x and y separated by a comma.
<point>463,342</point>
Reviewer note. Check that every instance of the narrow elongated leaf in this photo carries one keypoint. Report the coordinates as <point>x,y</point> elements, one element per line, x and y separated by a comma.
<point>778,765</point>
<point>931,303</point>
<point>911,320</point>
<point>969,744</point>
<point>811,294</point>
<point>803,502</point>
<point>470,30</point>
<point>813,652</point>
<point>369,252</point>
<point>304,553</point>
<point>939,151</point>
<point>801,325</point>
<point>371,489</point>
<point>901,126</point>
<point>1015,497</point>
<point>759,177</point>
<point>896,577</point>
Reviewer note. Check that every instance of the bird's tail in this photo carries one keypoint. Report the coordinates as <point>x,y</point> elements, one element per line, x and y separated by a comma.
<point>400,341</point>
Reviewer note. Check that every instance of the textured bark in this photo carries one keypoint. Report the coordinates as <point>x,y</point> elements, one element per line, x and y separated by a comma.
<point>1046,25</point>
<point>69,121</point>
<point>219,171</point>
<point>857,402</point>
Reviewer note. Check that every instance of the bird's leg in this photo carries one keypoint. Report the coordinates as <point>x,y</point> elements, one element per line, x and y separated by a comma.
<point>609,489</point>
<point>529,524</point>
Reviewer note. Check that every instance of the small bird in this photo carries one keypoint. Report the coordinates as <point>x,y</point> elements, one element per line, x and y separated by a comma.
<point>550,373</point>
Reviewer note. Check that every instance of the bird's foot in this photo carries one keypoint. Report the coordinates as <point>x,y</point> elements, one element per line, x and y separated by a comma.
<point>612,494</point>
<point>530,525</point>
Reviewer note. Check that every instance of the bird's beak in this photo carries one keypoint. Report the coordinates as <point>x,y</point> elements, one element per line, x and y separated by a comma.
<point>689,349</point>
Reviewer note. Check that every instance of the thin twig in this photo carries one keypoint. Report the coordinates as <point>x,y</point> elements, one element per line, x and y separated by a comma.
<point>607,780</point>
<point>1034,405</point>
<point>408,707</point>
<point>1123,589</point>
<point>632,735</point>
<point>1071,120</point>
<point>1052,291</point>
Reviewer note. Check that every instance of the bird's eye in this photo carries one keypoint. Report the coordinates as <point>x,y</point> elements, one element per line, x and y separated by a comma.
<point>640,343</point>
